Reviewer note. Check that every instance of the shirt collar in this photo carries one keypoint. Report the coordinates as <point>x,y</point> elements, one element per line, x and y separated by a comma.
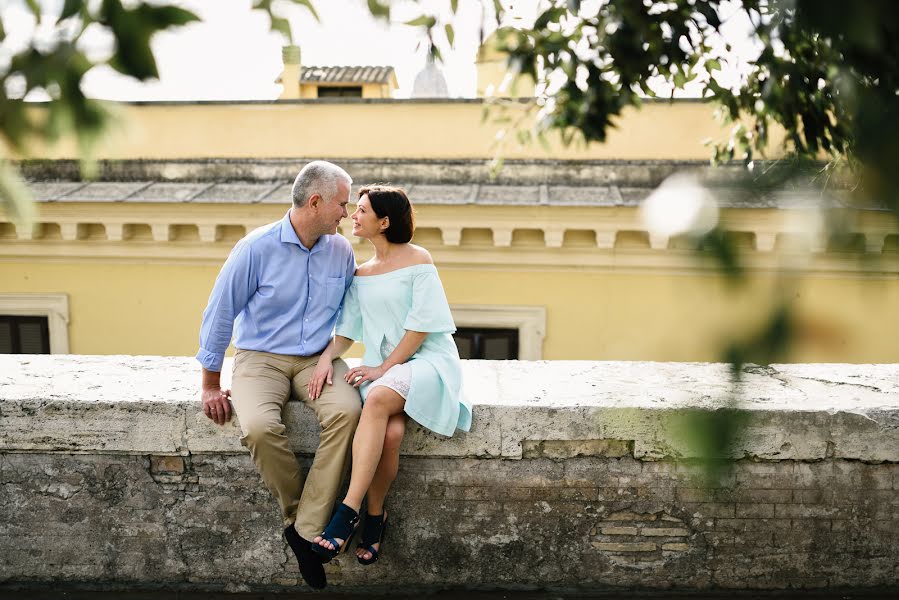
<point>289,236</point>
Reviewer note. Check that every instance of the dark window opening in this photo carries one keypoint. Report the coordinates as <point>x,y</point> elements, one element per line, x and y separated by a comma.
<point>487,344</point>
<point>24,335</point>
<point>339,91</point>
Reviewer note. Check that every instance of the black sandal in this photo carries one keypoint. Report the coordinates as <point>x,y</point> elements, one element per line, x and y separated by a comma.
<point>372,533</point>
<point>343,525</point>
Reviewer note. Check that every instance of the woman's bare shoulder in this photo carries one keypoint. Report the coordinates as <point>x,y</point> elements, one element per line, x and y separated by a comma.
<point>419,256</point>
<point>364,269</point>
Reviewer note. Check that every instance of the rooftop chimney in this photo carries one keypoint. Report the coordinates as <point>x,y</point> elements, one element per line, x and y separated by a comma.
<point>290,76</point>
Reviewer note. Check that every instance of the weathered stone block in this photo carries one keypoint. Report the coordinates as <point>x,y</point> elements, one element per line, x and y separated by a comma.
<point>711,509</point>
<point>625,547</point>
<point>619,530</point>
<point>804,511</point>
<point>664,532</point>
<point>756,511</point>
<point>676,547</point>
<point>166,464</point>
<point>813,496</point>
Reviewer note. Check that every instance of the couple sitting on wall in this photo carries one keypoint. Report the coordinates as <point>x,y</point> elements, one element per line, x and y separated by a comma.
<point>284,290</point>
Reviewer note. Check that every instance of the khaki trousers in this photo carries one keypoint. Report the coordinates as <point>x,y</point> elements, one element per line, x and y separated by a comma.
<point>260,387</point>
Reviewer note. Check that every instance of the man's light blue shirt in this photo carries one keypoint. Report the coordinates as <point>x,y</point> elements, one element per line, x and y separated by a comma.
<point>276,295</point>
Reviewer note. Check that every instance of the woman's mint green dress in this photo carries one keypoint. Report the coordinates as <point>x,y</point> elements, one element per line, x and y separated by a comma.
<point>378,309</point>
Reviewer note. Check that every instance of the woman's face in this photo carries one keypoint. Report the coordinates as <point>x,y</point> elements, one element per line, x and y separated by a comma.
<point>366,223</point>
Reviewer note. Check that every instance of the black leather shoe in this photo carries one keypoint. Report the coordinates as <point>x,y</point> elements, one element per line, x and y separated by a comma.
<point>310,564</point>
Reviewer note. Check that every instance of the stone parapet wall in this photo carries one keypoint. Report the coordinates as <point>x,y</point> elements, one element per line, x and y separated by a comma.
<point>573,476</point>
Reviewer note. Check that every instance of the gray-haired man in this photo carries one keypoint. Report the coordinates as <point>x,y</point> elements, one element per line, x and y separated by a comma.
<point>279,293</point>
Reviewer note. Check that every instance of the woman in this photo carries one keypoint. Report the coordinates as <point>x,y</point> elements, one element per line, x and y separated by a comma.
<point>397,308</point>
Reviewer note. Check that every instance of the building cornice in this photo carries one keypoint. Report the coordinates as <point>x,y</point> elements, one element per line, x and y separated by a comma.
<point>506,237</point>
<point>637,173</point>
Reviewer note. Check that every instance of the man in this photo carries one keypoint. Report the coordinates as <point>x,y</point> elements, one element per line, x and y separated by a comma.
<point>279,292</point>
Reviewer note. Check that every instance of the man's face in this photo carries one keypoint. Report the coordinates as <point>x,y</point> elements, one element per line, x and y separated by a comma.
<point>334,210</point>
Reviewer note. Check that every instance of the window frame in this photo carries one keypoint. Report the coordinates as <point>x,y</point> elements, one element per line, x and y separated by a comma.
<point>55,307</point>
<point>530,321</point>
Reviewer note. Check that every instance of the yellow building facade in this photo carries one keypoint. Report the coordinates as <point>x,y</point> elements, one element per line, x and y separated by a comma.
<point>552,247</point>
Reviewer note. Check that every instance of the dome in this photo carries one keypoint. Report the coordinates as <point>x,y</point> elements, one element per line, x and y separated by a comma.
<point>430,82</point>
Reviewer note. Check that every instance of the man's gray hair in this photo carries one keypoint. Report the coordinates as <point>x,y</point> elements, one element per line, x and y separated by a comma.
<point>318,177</point>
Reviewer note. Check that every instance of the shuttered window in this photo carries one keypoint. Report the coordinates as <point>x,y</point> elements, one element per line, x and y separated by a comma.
<point>487,343</point>
<point>24,335</point>
<point>339,91</point>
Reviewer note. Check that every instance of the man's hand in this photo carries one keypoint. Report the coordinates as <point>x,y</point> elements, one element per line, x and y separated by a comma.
<point>359,375</point>
<point>217,405</point>
<point>322,374</point>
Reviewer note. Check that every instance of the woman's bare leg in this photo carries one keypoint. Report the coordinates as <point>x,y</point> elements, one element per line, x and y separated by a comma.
<point>368,443</point>
<point>385,474</point>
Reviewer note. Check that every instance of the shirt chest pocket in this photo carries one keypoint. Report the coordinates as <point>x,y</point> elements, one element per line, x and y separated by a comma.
<point>334,288</point>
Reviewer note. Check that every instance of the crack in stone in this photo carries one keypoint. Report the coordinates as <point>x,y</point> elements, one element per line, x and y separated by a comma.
<point>766,370</point>
<point>839,383</point>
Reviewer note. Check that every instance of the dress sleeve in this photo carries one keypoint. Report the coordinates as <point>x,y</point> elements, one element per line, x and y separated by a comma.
<point>430,311</point>
<point>349,320</point>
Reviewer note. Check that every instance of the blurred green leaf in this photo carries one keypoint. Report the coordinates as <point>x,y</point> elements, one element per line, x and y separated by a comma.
<point>710,434</point>
<point>450,34</point>
<point>15,197</point>
<point>422,21</point>
<point>133,28</point>
<point>379,9</point>
<point>544,142</point>
<point>35,8</point>
<point>523,136</point>
<point>70,8</point>
<point>282,26</point>
<point>711,438</point>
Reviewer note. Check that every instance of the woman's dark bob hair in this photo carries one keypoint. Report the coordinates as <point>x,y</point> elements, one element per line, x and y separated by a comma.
<point>392,202</point>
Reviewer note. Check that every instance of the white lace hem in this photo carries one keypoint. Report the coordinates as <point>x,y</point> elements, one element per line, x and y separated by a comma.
<point>398,378</point>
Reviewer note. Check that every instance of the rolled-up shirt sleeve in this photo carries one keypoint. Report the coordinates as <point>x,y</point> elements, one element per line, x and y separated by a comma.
<point>235,283</point>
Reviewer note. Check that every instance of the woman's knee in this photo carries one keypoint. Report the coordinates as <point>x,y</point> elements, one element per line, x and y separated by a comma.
<point>383,400</point>
<point>396,429</point>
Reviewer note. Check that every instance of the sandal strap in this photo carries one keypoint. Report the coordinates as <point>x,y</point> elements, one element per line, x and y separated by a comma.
<point>371,532</point>
<point>342,524</point>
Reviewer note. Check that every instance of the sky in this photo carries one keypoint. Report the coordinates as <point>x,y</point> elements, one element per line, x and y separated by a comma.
<point>232,54</point>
